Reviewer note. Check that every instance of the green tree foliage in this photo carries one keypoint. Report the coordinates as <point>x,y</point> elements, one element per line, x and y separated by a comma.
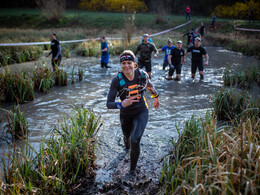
<point>114,5</point>
<point>238,10</point>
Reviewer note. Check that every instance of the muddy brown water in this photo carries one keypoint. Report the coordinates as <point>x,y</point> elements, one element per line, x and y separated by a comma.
<point>178,102</point>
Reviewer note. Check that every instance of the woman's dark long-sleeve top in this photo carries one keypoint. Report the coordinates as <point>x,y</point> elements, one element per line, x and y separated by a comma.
<point>115,89</point>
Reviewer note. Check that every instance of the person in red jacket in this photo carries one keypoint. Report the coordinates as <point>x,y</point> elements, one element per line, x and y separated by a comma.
<point>187,11</point>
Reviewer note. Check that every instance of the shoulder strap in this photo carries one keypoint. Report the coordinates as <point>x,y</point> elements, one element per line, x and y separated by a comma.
<point>121,79</point>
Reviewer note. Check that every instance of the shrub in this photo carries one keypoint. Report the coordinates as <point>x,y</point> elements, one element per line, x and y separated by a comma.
<point>114,5</point>
<point>52,9</point>
<point>238,10</point>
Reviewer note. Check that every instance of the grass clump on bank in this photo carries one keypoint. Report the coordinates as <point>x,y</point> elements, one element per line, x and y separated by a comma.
<point>68,154</point>
<point>17,123</point>
<point>231,105</point>
<point>243,79</point>
<point>16,87</point>
<point>212,159</point>
<point>18,54</point>
<point>43,78</point>
<point>19,86</point>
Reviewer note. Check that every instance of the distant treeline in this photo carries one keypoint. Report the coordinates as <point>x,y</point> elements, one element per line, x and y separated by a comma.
<point>198,7</point>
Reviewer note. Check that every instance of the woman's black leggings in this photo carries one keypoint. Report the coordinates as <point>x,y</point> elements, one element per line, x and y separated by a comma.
<point>133,128</point>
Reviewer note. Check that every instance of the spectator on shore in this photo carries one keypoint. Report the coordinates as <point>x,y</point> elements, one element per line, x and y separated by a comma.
<point>187,11</point>
<point>213,23</point>
<point>251,15</point>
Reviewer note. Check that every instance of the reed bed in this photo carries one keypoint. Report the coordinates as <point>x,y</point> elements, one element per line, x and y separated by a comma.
<point>17,124</point>
<point>242,79</point>
<point>68,154</point>
<point>233,105</point>
<point>80,73</point>
<point>16,87</point>
<point>43,78</point>
<point>61,77</point>
<point>209,158</point>
<point>10,55</point>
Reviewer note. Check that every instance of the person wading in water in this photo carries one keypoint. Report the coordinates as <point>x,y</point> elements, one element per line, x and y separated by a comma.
<point>130,85</point>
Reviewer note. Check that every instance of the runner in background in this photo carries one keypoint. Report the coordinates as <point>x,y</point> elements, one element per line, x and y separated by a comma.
<point>202,29</point>
<point>104,53</point>
<point>167,49</point>
<point>146,50</point>
<point>197,53</point>
<point>55,51</point>
<point>213,23</point>
<point>189,37</point>
<point>176,59</point>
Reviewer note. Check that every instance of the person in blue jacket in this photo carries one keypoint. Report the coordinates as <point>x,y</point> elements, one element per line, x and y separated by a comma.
<point>167,49</point>
<point>104,53</point>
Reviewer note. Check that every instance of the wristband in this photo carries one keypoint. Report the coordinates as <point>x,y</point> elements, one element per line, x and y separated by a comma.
<point>155,96</point>
<point>119,105</point>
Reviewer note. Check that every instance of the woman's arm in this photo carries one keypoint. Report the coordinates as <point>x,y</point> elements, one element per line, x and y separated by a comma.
<point>111,104</point>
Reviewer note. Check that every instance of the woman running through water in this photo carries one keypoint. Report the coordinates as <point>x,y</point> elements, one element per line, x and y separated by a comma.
<point>130,85</point>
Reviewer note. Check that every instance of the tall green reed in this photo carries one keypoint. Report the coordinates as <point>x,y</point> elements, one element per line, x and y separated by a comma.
<point>19,54</point>
<point>17,123</point>
<point>231,105</point>
<point>210,158</point>
<point>16,87</point>
<point>68,154</point>
<point>43,78</point>
<point>80,73</point>
<point>61,78</point>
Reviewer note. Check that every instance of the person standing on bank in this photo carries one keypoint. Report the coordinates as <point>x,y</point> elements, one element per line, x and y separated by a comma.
<point>104,53</point>
<point>146,49</point>
<point>167,49</point>
<point>130,85</point>
<point>55,51</point>
<point>197,53</point>
<point>187,11</point>
<point>176,59</point>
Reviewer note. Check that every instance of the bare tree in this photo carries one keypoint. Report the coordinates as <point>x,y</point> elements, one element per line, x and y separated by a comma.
<point>52,9</point>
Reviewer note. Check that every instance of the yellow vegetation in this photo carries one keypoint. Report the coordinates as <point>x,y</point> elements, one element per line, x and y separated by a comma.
<point>239,10</point>
<point>114,5</point>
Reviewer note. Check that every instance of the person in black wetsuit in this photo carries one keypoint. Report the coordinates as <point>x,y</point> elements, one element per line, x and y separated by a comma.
<point>130,85</point>
<point>146,49</point>
<point>176,59</point>
<point>55,51</point>
<point>189,37</point>
<point>197,53</point>
<point>202,29</point>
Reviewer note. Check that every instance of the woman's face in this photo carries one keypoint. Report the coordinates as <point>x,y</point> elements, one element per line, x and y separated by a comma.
<point>127,66</point>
